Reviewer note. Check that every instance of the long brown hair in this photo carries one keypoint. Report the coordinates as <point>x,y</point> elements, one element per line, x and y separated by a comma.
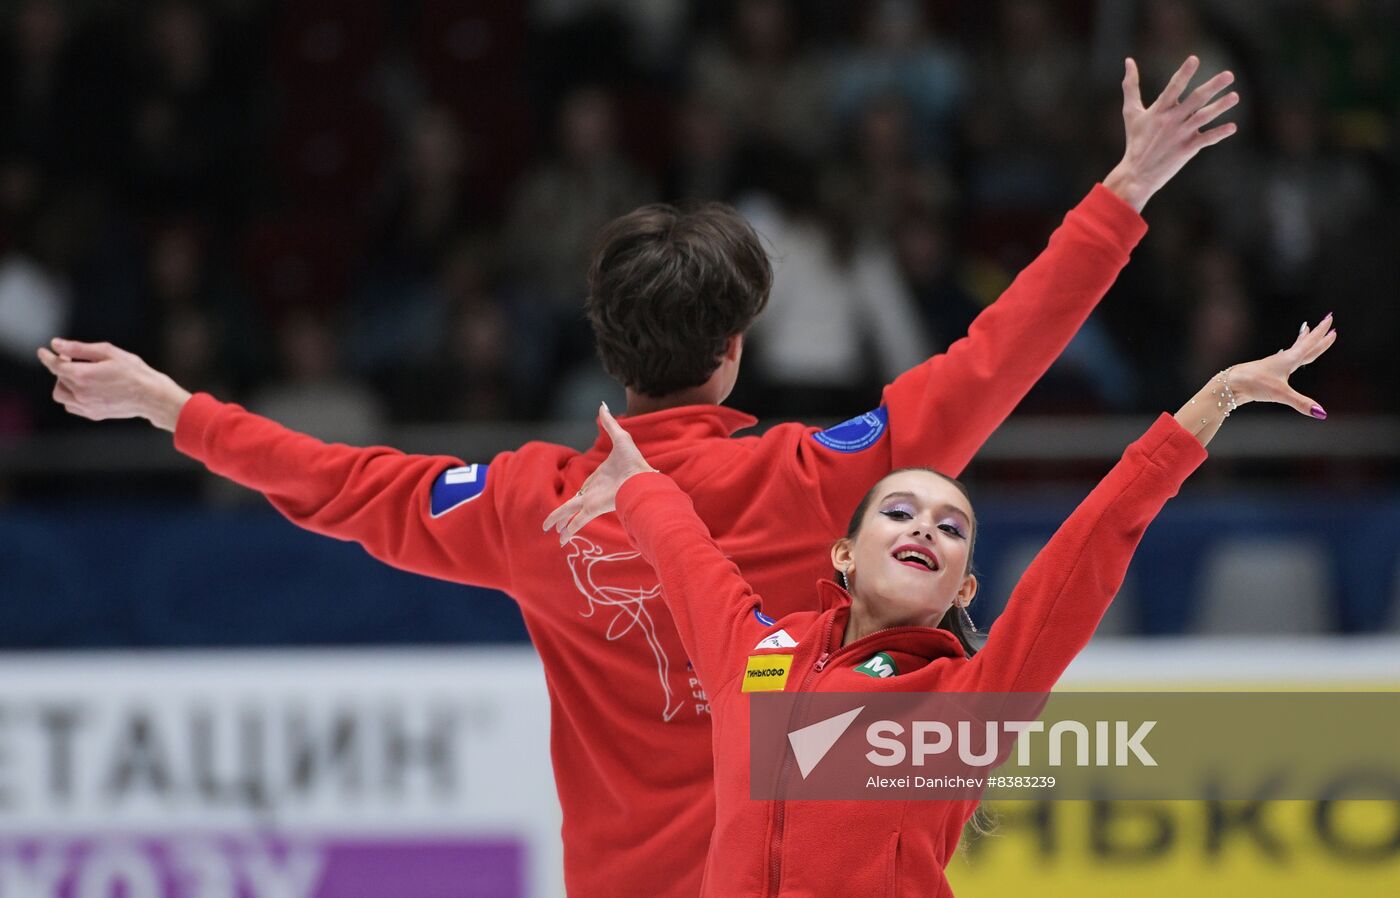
<point>982,822</point>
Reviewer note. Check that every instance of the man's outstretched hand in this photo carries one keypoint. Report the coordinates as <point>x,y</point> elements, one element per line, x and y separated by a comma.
<point>99,381</point>
<point>1165,136</point>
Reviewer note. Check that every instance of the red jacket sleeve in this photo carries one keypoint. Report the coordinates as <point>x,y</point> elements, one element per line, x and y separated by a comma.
<point>431,515</point>
<point>1064,593</point>
<point>939,414</point>
<point>710,601</point>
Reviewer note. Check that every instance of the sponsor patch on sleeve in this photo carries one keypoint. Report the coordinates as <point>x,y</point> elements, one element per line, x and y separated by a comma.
<point>763,618</point>
<point>860,432</point>
<point>766,673</point>
<point>457,486</point>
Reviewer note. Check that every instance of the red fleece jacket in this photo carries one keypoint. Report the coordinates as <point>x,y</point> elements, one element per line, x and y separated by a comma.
<point>630,727</point>
<point>879,848</point>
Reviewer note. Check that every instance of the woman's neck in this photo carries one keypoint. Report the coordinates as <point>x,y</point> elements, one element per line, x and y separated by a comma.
<point>861,623</point>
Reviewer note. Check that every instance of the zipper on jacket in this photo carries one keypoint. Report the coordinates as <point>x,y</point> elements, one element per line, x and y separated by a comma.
<point>775,844</point>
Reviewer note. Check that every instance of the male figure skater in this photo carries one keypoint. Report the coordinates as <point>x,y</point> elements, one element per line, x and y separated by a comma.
<point>670,297</point>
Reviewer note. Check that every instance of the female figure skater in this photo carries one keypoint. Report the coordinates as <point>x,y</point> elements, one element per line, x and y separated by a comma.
<point>901,590</point>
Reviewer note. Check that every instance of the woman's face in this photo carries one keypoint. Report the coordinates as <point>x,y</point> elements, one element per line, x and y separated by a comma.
<point>908,563</point>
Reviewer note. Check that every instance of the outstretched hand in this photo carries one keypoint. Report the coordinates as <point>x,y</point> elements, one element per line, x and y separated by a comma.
<point>1163,137</point>
<point>99,381</point>
<point>598,495</point>
<point>1266,380</point>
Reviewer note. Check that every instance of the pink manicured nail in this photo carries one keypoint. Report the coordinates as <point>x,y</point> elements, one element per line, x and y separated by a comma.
<point>1319,413</point>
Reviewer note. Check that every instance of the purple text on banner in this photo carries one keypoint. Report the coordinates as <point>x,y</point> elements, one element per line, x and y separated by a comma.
<point>196,866</point>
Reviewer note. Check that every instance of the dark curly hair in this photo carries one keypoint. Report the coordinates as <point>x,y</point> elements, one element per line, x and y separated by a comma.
<point>667,289</point>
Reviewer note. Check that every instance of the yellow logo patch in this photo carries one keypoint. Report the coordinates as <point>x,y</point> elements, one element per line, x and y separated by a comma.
<point>766,673</point>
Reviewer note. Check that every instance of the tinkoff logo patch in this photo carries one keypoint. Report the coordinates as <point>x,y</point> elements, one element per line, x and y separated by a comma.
<point>766,673</point>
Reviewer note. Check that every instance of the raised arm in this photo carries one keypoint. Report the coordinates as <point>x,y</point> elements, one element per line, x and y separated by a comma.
<point>1059,601</point>
<point>427,514</point>
<point>940,413</point>
<point>709,599</point>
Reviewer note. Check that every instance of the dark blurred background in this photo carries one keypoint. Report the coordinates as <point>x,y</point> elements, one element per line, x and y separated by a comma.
<point>385,210</point>
<point>363,218</point>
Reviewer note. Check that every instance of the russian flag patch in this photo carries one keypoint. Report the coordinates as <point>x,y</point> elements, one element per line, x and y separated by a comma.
<point>457,486</point>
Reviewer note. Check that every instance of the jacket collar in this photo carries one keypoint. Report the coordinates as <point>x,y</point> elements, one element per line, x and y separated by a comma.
<point>929,643</point>
<point>832,595</point>
<point>684,422</point>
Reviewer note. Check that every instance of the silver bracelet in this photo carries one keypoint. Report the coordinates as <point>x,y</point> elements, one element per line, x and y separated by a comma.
<point>1224,397</point>
<point>1229,399</point>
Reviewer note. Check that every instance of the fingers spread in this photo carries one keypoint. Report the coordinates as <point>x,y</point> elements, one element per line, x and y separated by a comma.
<point>561,514</point>
<point>1208,114</point>
<point>1311,340</point>
<point>1318,347</point>
<point>1177,86</point>
<point>1213,136</point>
<point>1203,94</point>
<point>574,526</point>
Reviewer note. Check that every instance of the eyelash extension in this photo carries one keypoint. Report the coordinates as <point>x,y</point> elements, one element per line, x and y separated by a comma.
<point>901,514</point>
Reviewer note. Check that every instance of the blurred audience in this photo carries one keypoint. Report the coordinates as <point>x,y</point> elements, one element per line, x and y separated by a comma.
<point>883,173</point>
<point>410,192</point>
<point>313,394</point>
<point>772,88</point>
<point>840,320</point>
<point>899,57</point>
<point>550,228</point>
<point>1025,120</point>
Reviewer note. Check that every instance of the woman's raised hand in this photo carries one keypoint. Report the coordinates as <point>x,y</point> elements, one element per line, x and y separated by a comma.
<point>1266,380</point>
<point>598,495</point>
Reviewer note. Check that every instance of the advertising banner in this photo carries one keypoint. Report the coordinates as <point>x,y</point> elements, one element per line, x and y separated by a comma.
<point>1191,844</point>
<point>276,775</point>
<point>425,774</point>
